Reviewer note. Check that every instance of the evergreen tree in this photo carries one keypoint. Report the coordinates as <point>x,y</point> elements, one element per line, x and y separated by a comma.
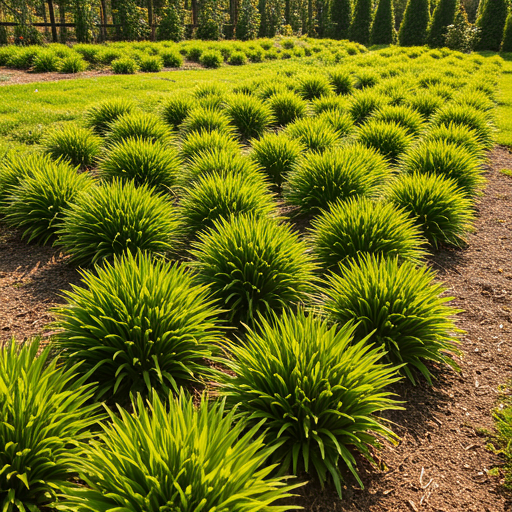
<point>491,23</point>
<point>341,17</point>
<point>506,45</point>
<point>248,20</point>
<point>443,16</point>
<point>172,22</point>
<point>413,30</point>
<point>383,28</point>
<point>361,22</point>
<point>462,35</point>
<point>210,20</point>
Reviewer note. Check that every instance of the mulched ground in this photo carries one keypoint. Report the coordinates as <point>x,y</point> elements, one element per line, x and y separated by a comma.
<point>441,463</point>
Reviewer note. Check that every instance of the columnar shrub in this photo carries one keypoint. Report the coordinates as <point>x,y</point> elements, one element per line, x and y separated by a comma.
<point>361,226</point>
<point>254,265</point>
<point>383,26</point>
<point>413,29</point>
<point>462,36</point>
<point>443,16</point>
<point>318,180</point>
<point>249,18</point>
<point>210,20</point>
<point>46,420</point>
<point>399,306</point>
<point>116,217</point>
<point>172,22</point>
<point>506,44</point>
<point>314,134</point>
<point>203,142</point>
<point>137,325</point>
<point>361,22</point>
<point>100,116</point>
<point>341,16</point>
<point>145,126</point>
<point>491,22</point>
<point>439,208</point>
<point>287,107</point>
<point>249,115</point>
<point>318,390</point>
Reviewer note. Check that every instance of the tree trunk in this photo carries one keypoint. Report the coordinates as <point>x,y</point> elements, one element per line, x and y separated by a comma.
<point>151,20</point>
<point>194,12</point>
<point>287,16</point>
<point>52,21</point>
<point>103,20</point>
<point>63,29</point>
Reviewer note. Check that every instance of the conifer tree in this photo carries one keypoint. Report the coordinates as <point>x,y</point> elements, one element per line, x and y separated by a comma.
<point>506,45</point>
<point>413,30</point>
<point>361,22</point>
<point>341,17</point>
<point>248,20</point>
<point>491,23</point>
<point>383,27</point>
<point>443,16</point>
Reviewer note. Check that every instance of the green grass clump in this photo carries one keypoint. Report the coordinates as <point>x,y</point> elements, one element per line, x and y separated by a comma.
<point>439,208</point>
<point>212,197</point>
<point>78,146</point>
<point>211,59</point>
<point>328,103</point>
<point>364,103</point>
<point>313,86</point>
<point>237,59</point>
<point>361,226</point>
<point>399,306</point>
<point>142,161</point>
<point>318,390</point>
<point>254,265</point>
<point>402,115</point>
<point>315,134</point>
<point>171,59</point>
<point>456,134</point>
<point>138,125</point>
<point>151,64</point>
<point>46,61</point>
<point>340,121</point>
<point>101,115</point>
<point>320,179</point>
<point>249,115</point>
<point>72,64</point>
<point>276,154</point>
<point>176,109</point>
<point>117,217</point>
<point>46,420</point>
<point>124,66</point>
<point>426,103</point>
<point>445,159</point>
<point>38,203</point>
<point>287,107</point>
<point>389,138</point>
<point>207,142</point>
<point>137,325</point>
<point>341,81</point>
<point>206,120</point>
<point>212,459</point>
<point>475,99</point>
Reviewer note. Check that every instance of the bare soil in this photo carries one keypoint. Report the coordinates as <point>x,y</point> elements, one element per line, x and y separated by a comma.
<point>441,463</point>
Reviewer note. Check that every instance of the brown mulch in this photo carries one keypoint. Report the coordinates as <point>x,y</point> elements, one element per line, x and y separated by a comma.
<point>441,463</point>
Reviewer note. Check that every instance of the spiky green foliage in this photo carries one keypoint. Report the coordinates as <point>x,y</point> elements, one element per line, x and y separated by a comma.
<point>506,44</point>
<point>445,159</point>
<point>151,64</point>
<point>491,22</point>
<point>249,115</point>
<point>78,146</point>
<point>214,141</point>
<point>212,459</point>
<point>318,391</point>
<point>72,64</point>
<point>383,26</point>
<point>276,154</point>
<point>475,98</point>
<point>321,179</point>
<point>341,81</point>
<point>403,115</point>
<point>439,208</point>
<point>443,15</point>
<point>137,325</point>
<point>287,107</point>
<point>100,116</point>
<point>313,86</point>
<point>176,109</point>
<point>390,139</point>
<point>341,15</point>
<point>361,226</point>
<point>413,29</point>
<point>402,306</point>
<point>211,197</point>
<point>314,134</point>
<point>38,203</point>
<point>139,124</point>
<point>328,103</point>
<point>426,103</point>
<point>364,103</point>
<point>211,59</point>
<point>468,116</point>
<point>142,161</point>
<point>124,66</point>
<point>206,120</point>
<point>45,421</point>
<point>46,61</point>
<point>254,265</point>
<point>341,122</point>
<point>458,134</point>
<point>361,22</point>
<point>116,217</point>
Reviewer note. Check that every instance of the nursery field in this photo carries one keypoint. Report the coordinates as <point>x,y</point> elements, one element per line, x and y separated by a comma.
<point>259,287</point>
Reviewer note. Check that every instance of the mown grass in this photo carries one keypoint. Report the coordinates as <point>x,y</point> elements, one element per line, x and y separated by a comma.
<point>504,108</point>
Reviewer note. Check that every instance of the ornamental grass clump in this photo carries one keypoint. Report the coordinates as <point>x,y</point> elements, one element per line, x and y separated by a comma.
<point>313,86</point>
<point>442,211</point>
<point>340,121</point>
<point>206,120</point>
<point>151,64</point>
<point>321,179</point>
<point>138,125</point>
<point>137,325</point>
<point>361,226</point>
<point>426,103</point>
<point>457,134</point>
<point>142,161</point>
<point>177,456</point>
<point>445,159</point>
<point>314,134</point>
<point>341,81</point>
<point>124,66</point>
<point>100,116</point>
<point>249,115</point>
<point>390,139</point>
<point>364,103</point>
<point>254,266</point>
<point>78,146</point>
<point>475,99</point>
<point>46,419</point>
<point>317,388</point>
<point>402,115</point>
<point>276,154</point>
<point>212,197</point>
<point>37,205</point>
<point>46,61</point>
<point>117,217</point>
<point>205,142</point>
<point>176,109</point>
<point>286,107</point>
<point>399,306</point>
